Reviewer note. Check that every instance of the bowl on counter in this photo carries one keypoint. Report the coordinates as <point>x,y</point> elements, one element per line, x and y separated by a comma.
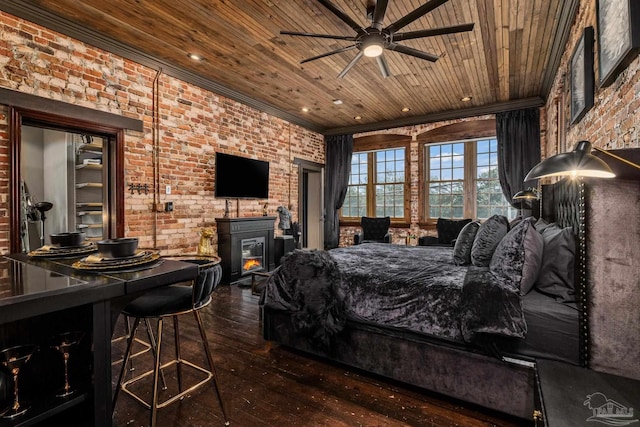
<point>118,248</point>
<point>68,239</point>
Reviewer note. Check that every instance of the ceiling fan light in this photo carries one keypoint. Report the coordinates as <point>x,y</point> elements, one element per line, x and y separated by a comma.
<point>373,50</point>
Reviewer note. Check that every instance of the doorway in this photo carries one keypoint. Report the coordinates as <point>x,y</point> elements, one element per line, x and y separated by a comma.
<point>66,171</point>
<point>310,195</point>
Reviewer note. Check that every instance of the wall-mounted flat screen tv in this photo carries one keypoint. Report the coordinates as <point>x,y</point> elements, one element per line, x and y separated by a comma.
<point>241,178</point>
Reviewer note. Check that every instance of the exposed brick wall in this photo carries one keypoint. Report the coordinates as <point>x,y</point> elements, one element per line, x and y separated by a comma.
<point>193,124</point>
<point>613,120</point>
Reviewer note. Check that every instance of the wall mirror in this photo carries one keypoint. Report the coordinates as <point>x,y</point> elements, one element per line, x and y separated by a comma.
<point>66,176</point>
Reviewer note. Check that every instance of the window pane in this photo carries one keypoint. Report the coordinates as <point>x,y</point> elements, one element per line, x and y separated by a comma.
<point>355,203</point>
<point>483,159</point>
<point>389,187</point>
<point>446,184</point>
<point>482,146</point>
<point>388,184</point>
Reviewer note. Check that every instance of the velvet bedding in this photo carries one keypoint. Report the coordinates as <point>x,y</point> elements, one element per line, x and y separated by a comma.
<point>415,288</point>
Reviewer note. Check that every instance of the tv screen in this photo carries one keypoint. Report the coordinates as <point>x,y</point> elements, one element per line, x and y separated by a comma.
<point>240,177</point>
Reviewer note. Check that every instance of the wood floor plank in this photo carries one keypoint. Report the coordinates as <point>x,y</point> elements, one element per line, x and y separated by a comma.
<point>264,384</point>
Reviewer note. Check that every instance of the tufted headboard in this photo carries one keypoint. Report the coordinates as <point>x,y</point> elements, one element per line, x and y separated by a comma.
<point>605,214</point>
<point>564,203</point>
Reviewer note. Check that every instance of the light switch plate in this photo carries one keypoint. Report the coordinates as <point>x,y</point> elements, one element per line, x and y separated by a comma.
<point>167,190</point>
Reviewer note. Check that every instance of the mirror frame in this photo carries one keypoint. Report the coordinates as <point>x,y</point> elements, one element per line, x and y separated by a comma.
<point>17,115</point>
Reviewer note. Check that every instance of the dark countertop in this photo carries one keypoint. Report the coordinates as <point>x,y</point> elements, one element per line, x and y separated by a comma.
<point>32,286</point>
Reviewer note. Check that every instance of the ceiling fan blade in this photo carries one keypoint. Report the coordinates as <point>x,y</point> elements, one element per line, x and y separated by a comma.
<point>322,36</point>
<point>378,14</point>
<point>343,16</point>
<point>412,16</point>
<point>384,67</point>
<point>413,52</point>
<point>333,52</point>
<point>350,65</point>
<point>432,32</point>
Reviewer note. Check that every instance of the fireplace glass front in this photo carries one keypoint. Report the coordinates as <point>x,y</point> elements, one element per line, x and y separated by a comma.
<point>253,254</point>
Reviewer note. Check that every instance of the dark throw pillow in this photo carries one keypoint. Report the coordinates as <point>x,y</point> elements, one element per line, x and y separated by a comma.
<point>558,261</point>
<point>541,224</point>
<point>448,229</point>
<point>518,256</point>
<point>464,242</point>
<point>487,238</point>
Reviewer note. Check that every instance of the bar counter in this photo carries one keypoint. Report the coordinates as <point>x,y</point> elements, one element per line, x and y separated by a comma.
<point>41,297</point>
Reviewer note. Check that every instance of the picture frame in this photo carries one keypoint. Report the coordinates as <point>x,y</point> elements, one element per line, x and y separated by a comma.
<point>581,76</point>
<point>618,37</point>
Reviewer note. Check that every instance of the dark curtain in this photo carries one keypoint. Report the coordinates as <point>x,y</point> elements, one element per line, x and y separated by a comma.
<point>518,134</point>
<point>338,150</point>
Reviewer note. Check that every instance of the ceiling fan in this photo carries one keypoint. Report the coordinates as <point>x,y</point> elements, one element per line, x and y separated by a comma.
<point>373,40</point>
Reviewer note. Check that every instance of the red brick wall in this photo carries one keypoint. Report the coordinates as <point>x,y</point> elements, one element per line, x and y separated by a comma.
<point>193,124</point>
<point>613,120</point>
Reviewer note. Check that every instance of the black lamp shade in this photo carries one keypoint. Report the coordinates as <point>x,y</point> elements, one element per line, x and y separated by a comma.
<point>524,195</point>
<point>579,162</point>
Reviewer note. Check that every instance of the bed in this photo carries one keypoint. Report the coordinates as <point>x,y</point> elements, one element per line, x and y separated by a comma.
<point>413,315</point>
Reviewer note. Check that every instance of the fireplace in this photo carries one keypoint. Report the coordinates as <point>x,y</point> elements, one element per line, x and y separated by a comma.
<point>252,258</point>
<point>245,245</point>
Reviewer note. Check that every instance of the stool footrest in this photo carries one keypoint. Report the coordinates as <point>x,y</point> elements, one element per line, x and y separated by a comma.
<point>180,395</point>
<point>146,348</point>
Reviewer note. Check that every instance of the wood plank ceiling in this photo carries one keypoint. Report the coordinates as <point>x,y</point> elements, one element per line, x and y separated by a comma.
<point>507,60</point>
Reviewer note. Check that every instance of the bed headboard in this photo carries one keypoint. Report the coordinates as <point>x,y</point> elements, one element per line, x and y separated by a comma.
<point>605,214</point>
<point>564,203</point>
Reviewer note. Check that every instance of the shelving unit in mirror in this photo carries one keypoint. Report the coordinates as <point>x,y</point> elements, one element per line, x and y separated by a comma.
<point>88,191</point>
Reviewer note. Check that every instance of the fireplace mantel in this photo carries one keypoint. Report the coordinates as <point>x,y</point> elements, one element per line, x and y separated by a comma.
<point>231,232</point>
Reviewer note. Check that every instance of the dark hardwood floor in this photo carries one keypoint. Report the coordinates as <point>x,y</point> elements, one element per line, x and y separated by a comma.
<point>269,385</point>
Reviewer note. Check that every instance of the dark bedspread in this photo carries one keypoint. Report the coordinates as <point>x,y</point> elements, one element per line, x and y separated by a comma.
<point>411,287</point>
<point>416,288</point>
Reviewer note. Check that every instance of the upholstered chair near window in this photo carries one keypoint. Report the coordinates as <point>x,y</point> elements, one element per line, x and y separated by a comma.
<point>448,230</point>
<point>374,230</point>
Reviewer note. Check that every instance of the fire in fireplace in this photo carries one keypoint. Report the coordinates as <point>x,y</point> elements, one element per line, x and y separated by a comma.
<point>253,254</point>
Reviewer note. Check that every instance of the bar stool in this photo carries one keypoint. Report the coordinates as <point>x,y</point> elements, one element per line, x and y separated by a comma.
<point>173,301</point>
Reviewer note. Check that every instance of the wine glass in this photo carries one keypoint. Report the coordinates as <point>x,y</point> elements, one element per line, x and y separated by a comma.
<point>12,360</point>
<point>64,343</point>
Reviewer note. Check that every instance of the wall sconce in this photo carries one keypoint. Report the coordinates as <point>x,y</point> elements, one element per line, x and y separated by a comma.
<point>579,162</point>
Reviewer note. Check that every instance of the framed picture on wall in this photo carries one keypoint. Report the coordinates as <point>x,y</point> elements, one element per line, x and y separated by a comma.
<point>581,76</point>
<point>618,37</point>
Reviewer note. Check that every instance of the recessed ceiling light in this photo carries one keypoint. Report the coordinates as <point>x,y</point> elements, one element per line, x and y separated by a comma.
<point>194,56</point>
<point>305,109</point>
<point>465,99</point>
<point>405,109</point>
<point>337,101</point>
<point>358,117</point>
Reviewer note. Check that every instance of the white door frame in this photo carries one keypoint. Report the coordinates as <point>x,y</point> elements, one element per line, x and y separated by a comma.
<point>311,210</point>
